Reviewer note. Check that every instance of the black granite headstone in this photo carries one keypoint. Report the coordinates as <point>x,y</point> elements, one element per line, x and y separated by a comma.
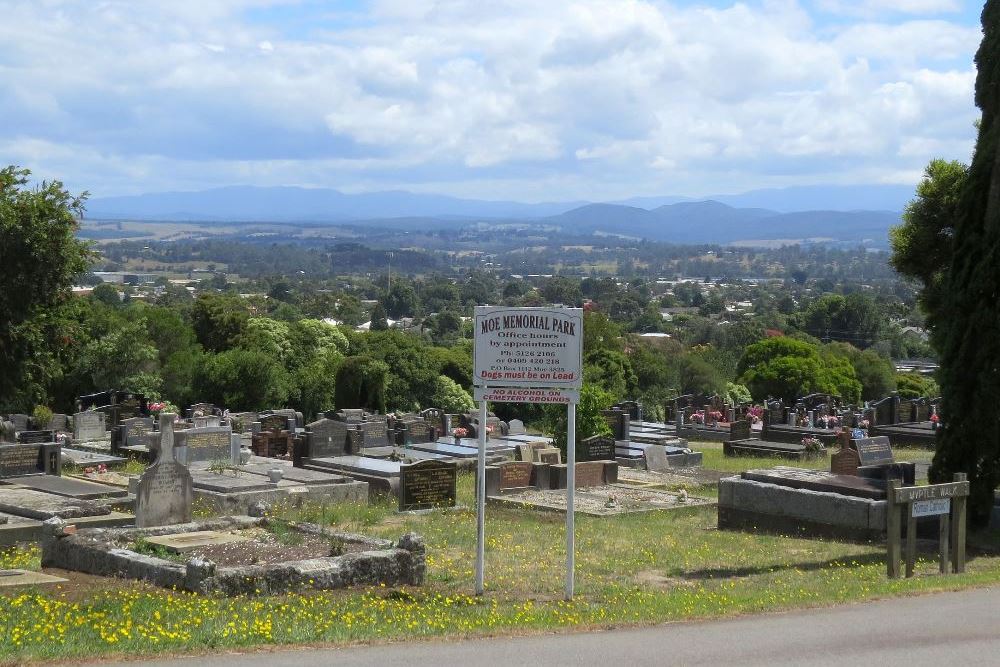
<point>427,484</point>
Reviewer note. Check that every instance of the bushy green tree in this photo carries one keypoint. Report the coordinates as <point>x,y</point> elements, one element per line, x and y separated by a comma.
<point>915,385</point>
<point>450,397</point>
<point>218,320</point>
<point>876,373</point>
<point>39,258</point>
<point>787,368</point>
<point>589,420</point>
<point>271,337</point>
<point>361,382</point>
<point>244,379</point>
<point>379,320</point>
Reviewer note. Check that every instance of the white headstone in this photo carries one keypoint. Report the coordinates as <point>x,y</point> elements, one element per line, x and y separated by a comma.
<point>89,426</point>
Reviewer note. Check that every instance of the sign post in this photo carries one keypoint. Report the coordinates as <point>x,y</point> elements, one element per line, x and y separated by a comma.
<point>528,355</point>
<point>947,501</point>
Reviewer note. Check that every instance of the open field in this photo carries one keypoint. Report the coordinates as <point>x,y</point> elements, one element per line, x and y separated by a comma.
<point>632,569</point>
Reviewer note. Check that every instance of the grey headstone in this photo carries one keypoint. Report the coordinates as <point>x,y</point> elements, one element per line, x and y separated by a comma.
<point>136,430</point>
<point>375,433</point>
<point>89,425</point>
<point>515,427</point>
<point>165,492</point>
<point>20,422</point>
<point>326,437</point>
<point>209,443</point>
<point>59,422</point>
<point>656,458</point>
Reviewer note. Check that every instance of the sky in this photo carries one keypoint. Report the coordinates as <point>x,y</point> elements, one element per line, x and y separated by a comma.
<point>534,100</point>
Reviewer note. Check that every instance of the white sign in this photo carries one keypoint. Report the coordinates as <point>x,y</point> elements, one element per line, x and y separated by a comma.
<point>931,507</point>
<point>529,347</point>
<point>526,395</point>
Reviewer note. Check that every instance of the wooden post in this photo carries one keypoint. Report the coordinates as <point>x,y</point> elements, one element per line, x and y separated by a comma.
<point>911,539</point>
<point>958,528</point>
<point>892,530</point>
<point>943,534</point>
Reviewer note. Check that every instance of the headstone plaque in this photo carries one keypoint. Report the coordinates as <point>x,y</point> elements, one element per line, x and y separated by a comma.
<point>17,460</point>
<point>427,484</point>
<point>419,432</point>
<point>874,451</point>
<point>515,427</point>
<point>165,492</point>
<point>89,425</point>
<point>599,448</point>
<point>136,429</point>
<point>29,437</point>
<point>211,443</point>
<point>515,474</point>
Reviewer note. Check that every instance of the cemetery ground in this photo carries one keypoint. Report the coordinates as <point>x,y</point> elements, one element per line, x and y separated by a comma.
<point>634,569</point>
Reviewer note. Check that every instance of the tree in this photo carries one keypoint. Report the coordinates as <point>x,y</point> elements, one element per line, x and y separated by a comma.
<point>379,321</point>
<point>915,385</point>
<point>242,379</point>
<point>922,245</point>
<point>119,359</point>
<point>39,256</point>
<point>218,320</point>
<point>589,420</point>
<point>449,396</point>
<point>787,368</point>
<point>361,383</point>
<point>876,373</point>
<point>401,300</point>
<point>966,326</point>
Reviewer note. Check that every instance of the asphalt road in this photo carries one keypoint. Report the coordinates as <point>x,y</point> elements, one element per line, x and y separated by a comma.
<point>948,629</point>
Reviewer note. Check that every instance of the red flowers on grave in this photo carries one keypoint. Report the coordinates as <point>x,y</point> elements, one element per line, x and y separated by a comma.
<point>459,432</point>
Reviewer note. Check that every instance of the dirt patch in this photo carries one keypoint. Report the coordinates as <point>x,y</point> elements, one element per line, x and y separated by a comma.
<point>654,579</point>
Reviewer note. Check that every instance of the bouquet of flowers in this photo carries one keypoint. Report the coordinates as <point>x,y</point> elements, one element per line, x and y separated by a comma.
<point>459,432</point>
<point>698,417</point>
<point>812,444</point>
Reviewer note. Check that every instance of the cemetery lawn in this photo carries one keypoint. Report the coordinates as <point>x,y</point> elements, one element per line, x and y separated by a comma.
<point>633,569</point>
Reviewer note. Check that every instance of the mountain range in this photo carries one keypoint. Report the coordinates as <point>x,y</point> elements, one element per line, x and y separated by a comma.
<point>846,214</point>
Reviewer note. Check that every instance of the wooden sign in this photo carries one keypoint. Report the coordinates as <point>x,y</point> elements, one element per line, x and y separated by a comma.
<point>909,503</point>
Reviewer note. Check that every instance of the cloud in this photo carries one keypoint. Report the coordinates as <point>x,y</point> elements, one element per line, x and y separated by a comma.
<point>557,100</point>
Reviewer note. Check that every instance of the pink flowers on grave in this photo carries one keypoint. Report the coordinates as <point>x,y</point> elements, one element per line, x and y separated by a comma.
<point>715,416</point>
<point>935,418</point>
<point>812,444</point>
<point>459,432</point>
<point>698,417</point>
<point>157,408</point>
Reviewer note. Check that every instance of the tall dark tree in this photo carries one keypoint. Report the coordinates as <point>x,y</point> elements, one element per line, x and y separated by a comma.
<point>968,328</point>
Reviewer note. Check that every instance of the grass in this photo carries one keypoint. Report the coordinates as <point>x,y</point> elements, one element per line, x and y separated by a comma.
<point>713,458</point>
<point>631,569</point>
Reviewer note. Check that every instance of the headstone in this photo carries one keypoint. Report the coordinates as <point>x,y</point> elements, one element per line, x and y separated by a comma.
<point>419,432</point>
<point>844,461</point>
<point>599,448</point>
<point>165,492</point>
<point>515,427</point>
<point>210,443</point>
<point>549,455</point>
<point>29,459</point>
<point>273,422</point>
<point>739,430</point>
<point>202,422</point>
<point>515,474</point>
<point>20,421</point>
<point>136,429</point>
<point>353,415</point>
<point>375,433</point>
<point>656,458</point>
<point>59,422</point>
<point>326,437</point>
<point>89,425</point>
<point>201,410</point>
<point>427,484</point>
<point>874,451</point>
<point>589,473</point>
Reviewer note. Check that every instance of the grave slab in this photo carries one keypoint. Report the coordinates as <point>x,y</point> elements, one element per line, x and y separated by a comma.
<point>39,505</point>
<point>180,543</point>
<point>299,475</point>
<point>67,486</point>
<point>84,459</point>
<point>11,578</point>
<point>228,482</point>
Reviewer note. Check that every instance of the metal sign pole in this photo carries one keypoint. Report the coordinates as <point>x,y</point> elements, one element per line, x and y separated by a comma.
<point>570,497</point>
<point>481,502</point>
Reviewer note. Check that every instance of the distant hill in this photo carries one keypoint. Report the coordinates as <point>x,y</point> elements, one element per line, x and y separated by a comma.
<point>715,222</point>
<point>288,204</point>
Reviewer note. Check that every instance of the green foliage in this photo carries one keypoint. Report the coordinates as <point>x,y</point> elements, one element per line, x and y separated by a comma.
<point>269,336</point>
<point>401,300</point>
<point>611,371</point>
<point>855,318</point>
<point>242,379</point>
<point>589,420</point>
<point>120,358</point>
<point>360,383</point>
<point>876,373</point>
<point>966,324</point>
<point>379,320</point>
<point>922,245</point>
<point>107,294</point>
<point>737,393</point>
<point>600,333</point>
<point>450,397</point>
<point>218,320</point>
<point>39,256</point>
<point>915,385</point>
<point>698,376</point>
<point>786,368</point>
<point>41,415</point>
<point>316,383</point>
